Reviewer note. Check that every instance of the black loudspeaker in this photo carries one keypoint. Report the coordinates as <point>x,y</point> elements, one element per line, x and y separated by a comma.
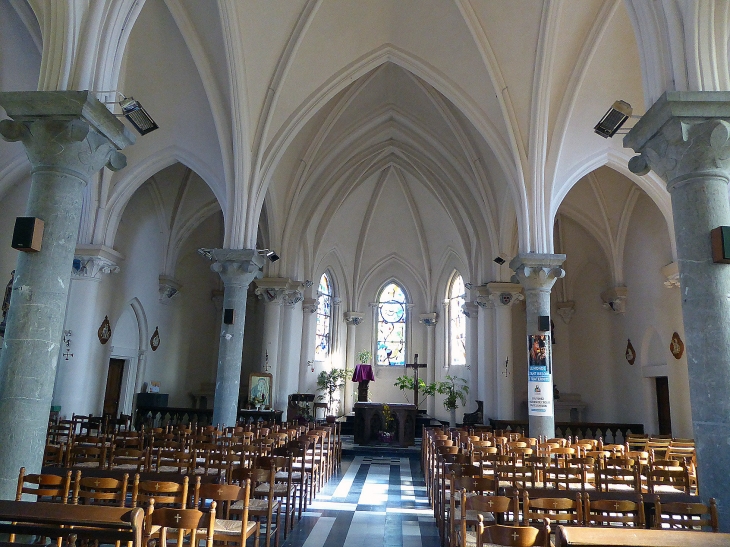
<point>229,316</point>
<point>720,237</point>
<point>543,322</point>
<point>28,234</point>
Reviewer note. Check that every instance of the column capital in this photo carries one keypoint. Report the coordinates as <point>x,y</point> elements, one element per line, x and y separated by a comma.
<point>169,288</point>
<point>91,262</point>
<point>237,267</point>
<point>65,130</point>
<point>309,305</point>
<point>537,271</point>
<point>279,290</point>
<point>566,310</point>
<point>683,133</point>
<point>499,294</point>
<point>470,309</point>
<point>429,319</point>
<point>671,275</point>
<point>614,299</point>
<point>353,318</point>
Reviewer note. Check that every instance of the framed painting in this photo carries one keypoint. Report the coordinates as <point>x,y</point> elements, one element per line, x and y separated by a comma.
<point>259,389</point>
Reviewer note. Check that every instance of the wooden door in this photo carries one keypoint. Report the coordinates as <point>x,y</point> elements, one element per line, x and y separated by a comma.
<point>662,403</point>
<point>113,386</point>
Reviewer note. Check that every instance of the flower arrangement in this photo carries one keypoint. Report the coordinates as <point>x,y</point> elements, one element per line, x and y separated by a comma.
<point>257,400</point>
<point>388,419</point>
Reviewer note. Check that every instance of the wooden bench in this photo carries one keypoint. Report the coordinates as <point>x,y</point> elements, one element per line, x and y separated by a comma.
<point>74,522</point>
<point>611,536</point>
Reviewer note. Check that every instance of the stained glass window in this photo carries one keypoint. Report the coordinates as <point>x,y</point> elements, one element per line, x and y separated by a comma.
<point>457,321</point>
<point>324,318</point>
<point>392,326</point>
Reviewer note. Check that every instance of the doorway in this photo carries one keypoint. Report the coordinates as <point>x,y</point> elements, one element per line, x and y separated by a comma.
<point>662,403</point>
<point>113,386</point>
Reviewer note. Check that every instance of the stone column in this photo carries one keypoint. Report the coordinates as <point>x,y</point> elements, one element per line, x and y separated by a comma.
<point>503,296</point>
<point>430,320</point>
<point>685,139</point>
<point>237,268</point>
<point>82,370</point>
<point>271,290</point>
<point>68,136</point>
<point>537,274</point>
<point>306,359</point>
<point>290,336</point>
<point>352,320</point>
<point>471,310</point>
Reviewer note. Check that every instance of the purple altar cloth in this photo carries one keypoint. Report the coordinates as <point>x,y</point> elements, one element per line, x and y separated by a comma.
<point>363,373</point>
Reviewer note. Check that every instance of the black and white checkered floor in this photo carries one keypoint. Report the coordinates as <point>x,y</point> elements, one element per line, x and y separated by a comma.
<point>375,500</point>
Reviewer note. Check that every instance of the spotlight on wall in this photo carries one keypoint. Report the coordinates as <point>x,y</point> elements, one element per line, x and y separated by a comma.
<point>137,115</point>
<point>612,120</point>
<point>500,260</point>
<point>268,253</point>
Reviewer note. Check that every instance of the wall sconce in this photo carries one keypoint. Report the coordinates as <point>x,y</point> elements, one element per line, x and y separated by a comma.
<point>505,372</point>
<point>266,361</point>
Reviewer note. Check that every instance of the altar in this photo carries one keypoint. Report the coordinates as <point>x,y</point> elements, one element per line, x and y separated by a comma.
<point>370,421</point>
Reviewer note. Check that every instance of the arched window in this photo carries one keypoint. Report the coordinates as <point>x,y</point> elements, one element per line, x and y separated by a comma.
<point>391,326</point>
<point>324,318</point>
<point>457,321</point>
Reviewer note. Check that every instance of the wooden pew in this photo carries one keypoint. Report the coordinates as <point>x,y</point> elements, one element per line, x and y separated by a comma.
<point>611,536</point>
<point>87,522</point>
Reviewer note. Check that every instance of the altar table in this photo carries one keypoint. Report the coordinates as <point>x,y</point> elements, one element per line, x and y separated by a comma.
<point>369,422</point>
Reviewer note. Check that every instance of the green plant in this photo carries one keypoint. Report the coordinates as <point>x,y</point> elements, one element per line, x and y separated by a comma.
<point>329,382</point>
<point>455,389</point>
<point>405,383</point>
<point>388,419</point>
<point>364,356</point>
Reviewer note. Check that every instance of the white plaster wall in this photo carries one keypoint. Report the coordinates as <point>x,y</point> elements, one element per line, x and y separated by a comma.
<point>653,308</point>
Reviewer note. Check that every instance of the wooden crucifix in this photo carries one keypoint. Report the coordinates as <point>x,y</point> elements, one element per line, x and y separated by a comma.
<point>415,365</point>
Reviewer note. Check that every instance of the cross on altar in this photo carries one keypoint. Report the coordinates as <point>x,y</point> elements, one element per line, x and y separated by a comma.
<point>415,365</point>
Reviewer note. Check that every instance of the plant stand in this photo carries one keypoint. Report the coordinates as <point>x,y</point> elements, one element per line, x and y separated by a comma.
<point>452,417</point>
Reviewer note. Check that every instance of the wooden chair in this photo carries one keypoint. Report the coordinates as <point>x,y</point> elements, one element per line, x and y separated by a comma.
<point>87,456</point>
<point>54,455</point>
<point>565,511</point>
<point>478,508</point>
<point>100,490</point>
<point>225,496</point>
<point>129,459</point>
<point>613,512</point>
<point>618,474</point>
<point>50,488</point>
<point>163,492</point>
<point>514,536</point>
<point>185,524</point>
<point>686,516</point>
<point>463,486</point>
<point>174,461</point>
<point>675,479</point>
<point>264,509</point>
<point>306,464</point>
<point>298,477</point>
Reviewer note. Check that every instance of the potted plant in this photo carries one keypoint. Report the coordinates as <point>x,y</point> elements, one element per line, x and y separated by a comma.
<point>388,432</point>
<point>329,382</point>
<point>456,390</point>
<point>364,356</point>
<point>405,383</point>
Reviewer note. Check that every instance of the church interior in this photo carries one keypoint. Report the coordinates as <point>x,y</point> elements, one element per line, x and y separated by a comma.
<point>396,158</point>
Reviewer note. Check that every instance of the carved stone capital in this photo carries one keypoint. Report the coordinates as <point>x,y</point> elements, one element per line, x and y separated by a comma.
<point>237,267</point>
<point>614,299</point>
<point>279,290</point>
<point>169,288</point>
<point>536,271</point>
<point>470,309</point>
<point>69,131</point>
<point>499,294</point>
<point>353,318</point>
<point>91,262</point>
<point>566,310</point>
<point>429,319</point>
<point>292,297</point>
<point>683,134</point>
<point>309,305</point>
<point>671,275</point>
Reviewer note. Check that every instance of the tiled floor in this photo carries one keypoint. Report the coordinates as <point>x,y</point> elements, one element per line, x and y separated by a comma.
<point>375,500</point>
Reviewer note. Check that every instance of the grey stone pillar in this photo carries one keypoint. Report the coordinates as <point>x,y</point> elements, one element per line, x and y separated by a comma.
<point>237,268</point>
<point>352,320</point>
<point>685,139</point>
<point>68,137</point>
<point>306,359</point>
<point>537,274</point>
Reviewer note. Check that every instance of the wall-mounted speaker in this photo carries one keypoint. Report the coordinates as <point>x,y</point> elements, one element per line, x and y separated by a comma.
<point>720,237</point>
<point>543,322</point>
<point>229,316</point>
<point>28,234</point>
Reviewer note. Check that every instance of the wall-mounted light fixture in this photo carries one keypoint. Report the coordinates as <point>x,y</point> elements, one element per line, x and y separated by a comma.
<point>613,119</point>
<point>268,253</point>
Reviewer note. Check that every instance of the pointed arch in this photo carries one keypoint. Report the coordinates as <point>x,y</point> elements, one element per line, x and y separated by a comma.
<point>456,328</point>
<point>392,321</point>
